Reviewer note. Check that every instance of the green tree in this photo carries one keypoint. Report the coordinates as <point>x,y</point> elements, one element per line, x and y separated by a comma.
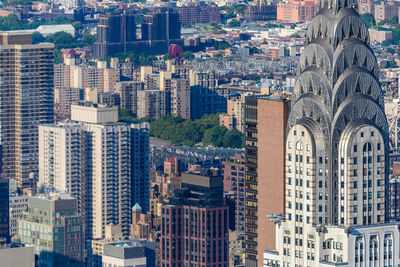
<point>221,45</point>
<point>390,50</point>
<point>37,38</point>
<point>88,39</point>
<point>234,23</point>
<point>77,25</point>
<point>233,139</point>
<point>188,55</point>
<point>61,40</point>
<point>214,136</point>
<point>369,19</point>
<point>295,35</point>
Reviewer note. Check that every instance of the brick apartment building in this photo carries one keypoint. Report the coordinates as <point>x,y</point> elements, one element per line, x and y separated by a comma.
<point>194,226</point>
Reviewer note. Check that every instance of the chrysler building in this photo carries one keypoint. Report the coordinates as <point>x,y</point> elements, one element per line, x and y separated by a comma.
<point>336,152</point>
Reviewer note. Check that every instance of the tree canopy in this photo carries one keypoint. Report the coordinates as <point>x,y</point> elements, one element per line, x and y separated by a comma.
<point>234,23</point>
<point>188,132</point>
<point>12,22</point>
<point>369,19</point>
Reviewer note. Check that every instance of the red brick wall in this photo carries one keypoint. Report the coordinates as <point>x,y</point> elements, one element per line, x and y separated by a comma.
<point>272,119</point>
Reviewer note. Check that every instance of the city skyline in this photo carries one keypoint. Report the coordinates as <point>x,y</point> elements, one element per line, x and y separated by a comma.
<point>214,133</point>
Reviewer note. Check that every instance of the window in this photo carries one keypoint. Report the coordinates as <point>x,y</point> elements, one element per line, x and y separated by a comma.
<point>378,146</point>
<point>299,146</point>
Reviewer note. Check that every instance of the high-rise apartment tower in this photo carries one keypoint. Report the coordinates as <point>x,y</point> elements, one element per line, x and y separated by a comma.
<point>26,100</point>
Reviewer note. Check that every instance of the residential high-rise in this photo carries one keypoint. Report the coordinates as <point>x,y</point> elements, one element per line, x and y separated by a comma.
<point>193,14</point>
<point>128,91</point>
<point>52,224</point>
<point>265,170</point>
<point>337,148</point>
<point>234,184</point>
<point>63,99</point>
<point>115,32</point>
<point>194,226</point>
<point>4,208</point>
<point>180,98</point>
<point>26,100</point>
<point>235,117</point>
<point>296,10</point>
<point>151,103</point>
<point>140,165</point>
<point>204,100</point>
<point>161,25</point>
<point>90,157</point>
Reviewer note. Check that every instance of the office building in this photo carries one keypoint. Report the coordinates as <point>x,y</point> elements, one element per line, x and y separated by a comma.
<point>18,206</point>
<point>265,169</point>
<point>180,98</point>
<point>140,165</point>
<point>337,147</point>
<point>234,184</point>
<point>194,225</point>
<point>129,253</point>
<point>53,226</point>
<point>26,100</point>
<point>4,208</point>
<point>20,255</point>
<point>93,145</point>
